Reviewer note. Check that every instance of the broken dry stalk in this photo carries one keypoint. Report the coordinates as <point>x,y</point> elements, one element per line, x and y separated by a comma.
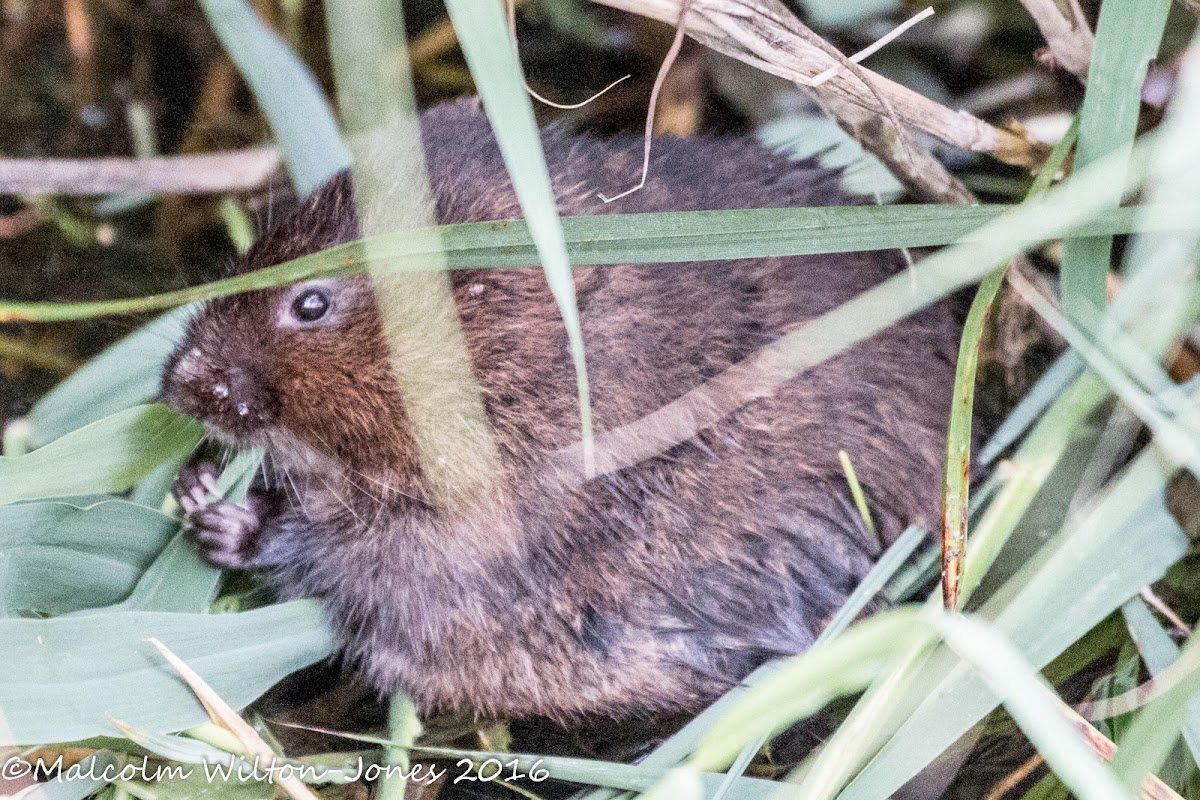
<point>924,177</point>
<point>224,716</point>
<point>1066,32</point>
<point>199,174</point>
<point>765,35</point>
<point>1153,787</point>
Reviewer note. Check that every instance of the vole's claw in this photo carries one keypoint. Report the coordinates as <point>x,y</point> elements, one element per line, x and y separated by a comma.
<point>196,486</point>
<point>225,534</point>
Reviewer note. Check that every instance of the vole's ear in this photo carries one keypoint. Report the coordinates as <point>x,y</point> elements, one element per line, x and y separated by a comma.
<point>325,219</point>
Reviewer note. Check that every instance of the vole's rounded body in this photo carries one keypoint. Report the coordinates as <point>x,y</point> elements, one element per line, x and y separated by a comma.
<point>653,588</point>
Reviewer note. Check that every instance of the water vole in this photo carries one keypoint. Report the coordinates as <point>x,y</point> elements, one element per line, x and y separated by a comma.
<point>653,588</point>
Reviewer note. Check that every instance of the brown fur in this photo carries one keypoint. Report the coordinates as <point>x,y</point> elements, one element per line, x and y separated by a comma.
<point>652,589</point>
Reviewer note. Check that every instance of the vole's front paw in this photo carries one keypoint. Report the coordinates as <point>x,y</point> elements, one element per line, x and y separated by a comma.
<point>225,534</point>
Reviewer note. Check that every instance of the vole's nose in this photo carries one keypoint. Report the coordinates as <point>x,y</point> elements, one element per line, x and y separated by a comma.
<point>242,396</point>
<point>237,398</point>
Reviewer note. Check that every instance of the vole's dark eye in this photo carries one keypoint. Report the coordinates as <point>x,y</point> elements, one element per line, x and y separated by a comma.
<point>311,305</point>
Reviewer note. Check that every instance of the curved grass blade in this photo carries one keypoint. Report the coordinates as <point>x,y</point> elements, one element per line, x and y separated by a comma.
<point>668,237</point>
<point>856,492</point>
<point>285,90</point>
<point>483,36</point>
<point>57,557</point>
<point>1127,38</point>
<point>110,455</point>
<point>956,483</point>
<point>61,678</point>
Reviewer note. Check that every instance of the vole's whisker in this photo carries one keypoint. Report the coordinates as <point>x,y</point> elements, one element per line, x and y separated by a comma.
<point>336,496</point>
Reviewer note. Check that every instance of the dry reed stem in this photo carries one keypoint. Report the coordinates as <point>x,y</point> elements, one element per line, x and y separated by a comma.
<point>765,35</point>
<point>205,173</point>
<point>1156,602</point>
<point>924,177</point>
<point>1010,781</point>
<point>1153,787</point>
<point>1066,32</point>
<point>226,717</point>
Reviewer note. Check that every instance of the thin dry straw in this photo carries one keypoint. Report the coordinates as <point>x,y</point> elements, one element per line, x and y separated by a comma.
<point>512,32</point>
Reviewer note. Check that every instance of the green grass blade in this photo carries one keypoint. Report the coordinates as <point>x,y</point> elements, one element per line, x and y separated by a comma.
<point>1033,705</point>
<point>123,375</point>
<point>179,580</point>
<point>895,557</point>
<point>856,492</point>
<point>483,36</point>
<point>61,678</point>
<point>1159,651</point>
<point>1158,267</point>
<point>110,455</point>
<point>1124,542</point>
<point>1169,434</point>
<point>956,482</point>
<point>57,557</point>
<point>403,729</point>
<point>1127,37</point>
<point>285,90</point>
<point>1156,727</point>
<point>668,237</point>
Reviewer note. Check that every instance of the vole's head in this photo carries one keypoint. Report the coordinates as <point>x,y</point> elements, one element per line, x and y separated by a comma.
<point>301,370</point>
